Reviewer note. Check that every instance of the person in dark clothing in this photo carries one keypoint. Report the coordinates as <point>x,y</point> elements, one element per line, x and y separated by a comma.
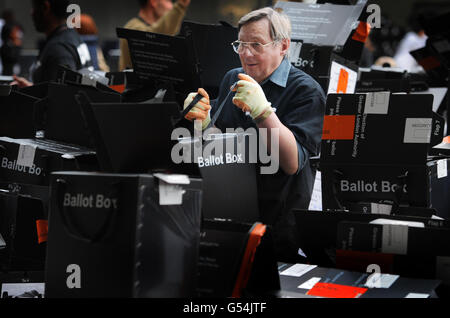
<point>63,45</point>
<point>10,51</point>
<point>274,95</point>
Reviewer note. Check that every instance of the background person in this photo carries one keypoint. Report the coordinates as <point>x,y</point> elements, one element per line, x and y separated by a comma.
<point>156,16</point>
<point>63,46</point>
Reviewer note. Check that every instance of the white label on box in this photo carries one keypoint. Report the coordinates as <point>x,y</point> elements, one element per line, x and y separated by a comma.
<point>26,155</point>
<point>316,198</point>
<point>298,270</point>
<point>417,295</point>
<point>377,103</point>
<point>442,168</point>
<point>170,194</point>
<point>381,280</point>
<point>377,208</point>
<point>394,239</point>
<point>417,130</point>
<point>310,283</point>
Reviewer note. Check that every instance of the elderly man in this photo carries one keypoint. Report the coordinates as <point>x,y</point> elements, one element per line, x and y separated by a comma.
<point>276,96</point>
<point>157,16</point>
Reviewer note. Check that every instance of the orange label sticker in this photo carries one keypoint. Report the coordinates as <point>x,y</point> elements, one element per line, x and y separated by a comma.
<point>42,230</point>
<point>118,88</point>
<point>343,82</point>
<point>338,127</point>
<point>336,291</point>
<point>362,32</point>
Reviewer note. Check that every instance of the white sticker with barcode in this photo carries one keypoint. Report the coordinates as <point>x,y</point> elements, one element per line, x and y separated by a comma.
<point>442,168</point>
<point>298,270</point>
<point>395,239</point>
<point>26,154</point>
<point>310,283</point>
<point>377,103</point>
<point>417,130</point>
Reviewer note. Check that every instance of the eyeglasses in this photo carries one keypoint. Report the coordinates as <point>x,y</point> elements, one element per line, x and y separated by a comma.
<point>254,47</point>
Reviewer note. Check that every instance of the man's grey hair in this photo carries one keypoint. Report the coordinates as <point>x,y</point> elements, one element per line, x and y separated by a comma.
<point>280,25</point>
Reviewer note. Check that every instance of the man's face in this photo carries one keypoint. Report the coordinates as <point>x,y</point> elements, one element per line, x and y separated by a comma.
<point>162,6</point>
<point>260,66</point>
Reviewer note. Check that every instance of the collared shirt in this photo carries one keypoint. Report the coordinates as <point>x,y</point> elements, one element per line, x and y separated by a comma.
<point>299,103</point>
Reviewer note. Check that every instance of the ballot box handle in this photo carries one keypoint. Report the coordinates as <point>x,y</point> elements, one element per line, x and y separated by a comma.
<point>72,229</point>
<point>219,110</point>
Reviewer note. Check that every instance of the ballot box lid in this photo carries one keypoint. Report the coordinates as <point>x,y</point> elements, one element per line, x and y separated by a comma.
<point>160,58</point>
<point>322,24</point>
<point>131,137</point>
<point>211,44</point>
<point>63,120</point>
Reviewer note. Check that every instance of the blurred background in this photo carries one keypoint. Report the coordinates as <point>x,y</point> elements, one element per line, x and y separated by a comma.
<point>397,20</point>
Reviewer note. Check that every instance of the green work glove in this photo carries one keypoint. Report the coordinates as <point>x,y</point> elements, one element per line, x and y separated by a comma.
<point>250,98</point>
<point>201,110</point>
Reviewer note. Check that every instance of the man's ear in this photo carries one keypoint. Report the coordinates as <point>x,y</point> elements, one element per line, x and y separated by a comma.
<point>285,44</point>
<point>153,3</point>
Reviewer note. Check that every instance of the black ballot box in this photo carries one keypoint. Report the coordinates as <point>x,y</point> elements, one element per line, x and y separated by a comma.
<point>59,115</point>
<point>411,246</point>
<point>374,153</point>
<point>23,233</point>
<point>315,60</point>
<point>211,43</point>
<point>17,118</point>
<point>30,161</point>
<point>131,137</point>
<point>227,164</point>
<point>117,235</point>
<point>236,259</point>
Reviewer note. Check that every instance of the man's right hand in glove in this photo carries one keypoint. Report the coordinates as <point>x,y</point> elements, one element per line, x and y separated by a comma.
<point>201,110</point>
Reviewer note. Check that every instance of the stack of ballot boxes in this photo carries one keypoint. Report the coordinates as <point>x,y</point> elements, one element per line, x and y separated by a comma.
<point>374,161</point>
<point>374,154</point>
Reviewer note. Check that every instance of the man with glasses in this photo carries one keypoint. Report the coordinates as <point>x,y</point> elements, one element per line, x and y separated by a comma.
<point>272,94</point>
